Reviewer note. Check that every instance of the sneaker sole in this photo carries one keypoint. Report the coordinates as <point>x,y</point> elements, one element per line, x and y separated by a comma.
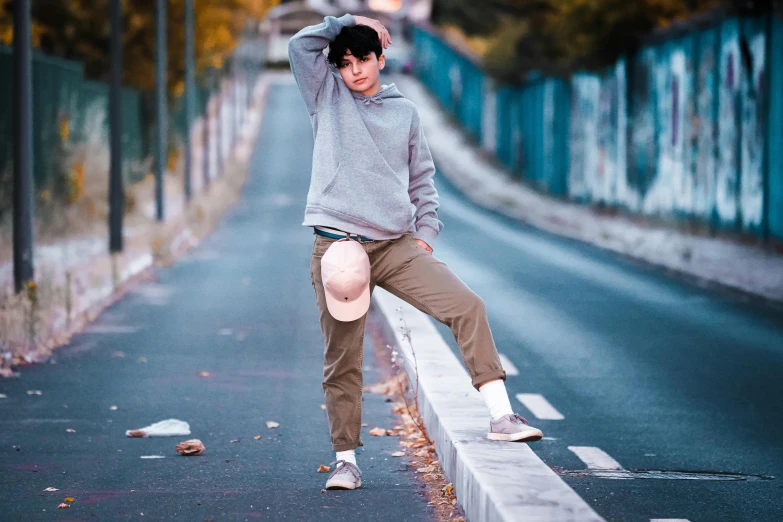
<point>522,436</point>
<point>343,484</point>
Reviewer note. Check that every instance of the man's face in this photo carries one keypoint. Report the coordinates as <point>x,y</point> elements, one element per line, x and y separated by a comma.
<point>362,74</point>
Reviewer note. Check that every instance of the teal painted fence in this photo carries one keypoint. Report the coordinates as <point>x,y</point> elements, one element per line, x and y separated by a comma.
<point>687,128</point>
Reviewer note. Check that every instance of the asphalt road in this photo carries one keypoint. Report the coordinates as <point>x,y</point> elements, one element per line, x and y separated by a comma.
<point>656,373</point>
<point>241,306</point>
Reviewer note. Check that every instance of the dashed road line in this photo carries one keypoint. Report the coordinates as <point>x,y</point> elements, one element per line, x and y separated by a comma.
<point>595,458</point>
<point>539,406</point>
<point>508,365</point>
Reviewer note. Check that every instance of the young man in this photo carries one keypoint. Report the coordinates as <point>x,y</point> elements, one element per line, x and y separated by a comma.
<point>373,205</point>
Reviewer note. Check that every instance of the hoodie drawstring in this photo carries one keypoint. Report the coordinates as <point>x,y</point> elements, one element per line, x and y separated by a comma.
<point>374,98</point>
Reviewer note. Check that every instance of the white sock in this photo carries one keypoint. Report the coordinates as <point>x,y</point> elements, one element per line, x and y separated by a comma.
<point>496,397</point>
<point>347,456</point>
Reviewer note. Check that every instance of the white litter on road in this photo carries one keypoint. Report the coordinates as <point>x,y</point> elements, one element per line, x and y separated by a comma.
<point>164,428</point>
<point>539,406</point>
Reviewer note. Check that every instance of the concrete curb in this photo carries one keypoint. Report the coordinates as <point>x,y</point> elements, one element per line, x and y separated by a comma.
<point>493,481</point>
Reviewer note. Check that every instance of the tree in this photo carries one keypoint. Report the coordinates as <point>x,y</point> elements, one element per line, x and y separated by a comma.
<point>554,36</point>
<point>79,30</point>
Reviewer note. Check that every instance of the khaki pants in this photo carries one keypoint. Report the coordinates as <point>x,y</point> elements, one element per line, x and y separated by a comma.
<point>404,268</point>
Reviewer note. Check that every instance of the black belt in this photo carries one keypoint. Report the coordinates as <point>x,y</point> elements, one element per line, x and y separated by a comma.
<point>339,234</point>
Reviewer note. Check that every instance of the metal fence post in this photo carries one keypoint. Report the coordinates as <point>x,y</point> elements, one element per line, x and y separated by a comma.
<point>189,86</point>
<point>116,195</point>
<point>23,137</point>
<point>160,95</point>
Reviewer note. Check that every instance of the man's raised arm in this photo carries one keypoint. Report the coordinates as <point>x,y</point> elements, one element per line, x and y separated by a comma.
<point>308,62</point>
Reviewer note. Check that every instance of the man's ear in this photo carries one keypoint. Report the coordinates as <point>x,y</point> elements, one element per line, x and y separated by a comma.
<point>382,62</point>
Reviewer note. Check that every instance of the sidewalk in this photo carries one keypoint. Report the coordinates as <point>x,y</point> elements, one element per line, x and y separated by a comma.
<point>749,269</point>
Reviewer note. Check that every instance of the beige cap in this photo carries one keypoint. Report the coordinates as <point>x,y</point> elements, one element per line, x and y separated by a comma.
<point>345,272</point>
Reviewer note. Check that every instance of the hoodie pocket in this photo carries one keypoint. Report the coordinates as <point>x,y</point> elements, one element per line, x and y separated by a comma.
<point>330,183</point>
<point>376,197</point>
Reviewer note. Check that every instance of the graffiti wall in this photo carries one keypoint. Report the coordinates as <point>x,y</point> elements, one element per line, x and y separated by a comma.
<point>688,128</point>
<point>690,143</point>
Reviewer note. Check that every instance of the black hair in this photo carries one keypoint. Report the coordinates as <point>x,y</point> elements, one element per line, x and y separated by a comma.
<point>361,40</point>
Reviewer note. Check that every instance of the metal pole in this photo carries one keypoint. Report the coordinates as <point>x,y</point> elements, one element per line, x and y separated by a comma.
<point>23,138</point>
<point>206,144</point>
<point>162,112</point>
<point>116,196</point>
<point>219,131</point>
<point>189,86</point>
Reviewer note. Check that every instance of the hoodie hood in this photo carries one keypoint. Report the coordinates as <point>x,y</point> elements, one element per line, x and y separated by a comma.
<point>387,91</point>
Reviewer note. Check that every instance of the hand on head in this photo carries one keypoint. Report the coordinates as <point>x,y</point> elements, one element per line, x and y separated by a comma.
<point>383,33</point>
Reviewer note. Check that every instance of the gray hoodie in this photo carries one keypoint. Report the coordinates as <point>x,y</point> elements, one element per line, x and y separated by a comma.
<point>372,169</point>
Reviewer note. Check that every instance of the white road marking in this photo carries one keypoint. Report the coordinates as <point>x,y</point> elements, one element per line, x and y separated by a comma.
<point>508,365</point>
<point>539,406</point>
<point>669,520</point>
<point>595,458</point>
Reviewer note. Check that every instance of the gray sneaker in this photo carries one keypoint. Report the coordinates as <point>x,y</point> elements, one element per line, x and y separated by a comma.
<point>347,476</point>
<point>513,427</point>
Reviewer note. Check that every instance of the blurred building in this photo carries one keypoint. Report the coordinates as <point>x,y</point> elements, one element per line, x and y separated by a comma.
<point>288,18</point>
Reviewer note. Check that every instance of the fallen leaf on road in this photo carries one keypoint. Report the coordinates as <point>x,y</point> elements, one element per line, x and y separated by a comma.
<point>234,440</point>
<point>324,469</point>
<point>323,406</point>
<point>190,447</point>
<point>3,396</point>
<point>257,437</point>
<point>364,424</point>
<point>63,506</point>
<point>118,353</point>
<point>422,453</point>
<point>113,408</point>
<point>70,430</point>
<point>272,424</point>
<point>51,489</point>
<point>204,374</point>
<point>164,428</point>
<point>141,360</point>
<point>69,499</point>
<point>382,388</point>
<point>398,454</point>
<point>33,392</point>
<point>448,488</point>
<point>378,432</point>
<point>426,469</point>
